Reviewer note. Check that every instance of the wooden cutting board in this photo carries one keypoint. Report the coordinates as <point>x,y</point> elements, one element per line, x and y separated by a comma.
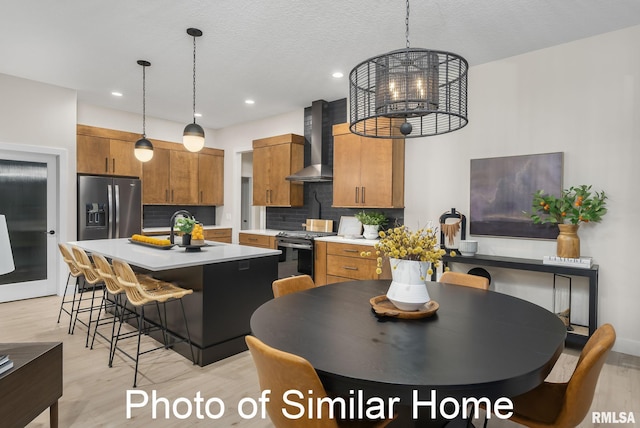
<point>316,225</point>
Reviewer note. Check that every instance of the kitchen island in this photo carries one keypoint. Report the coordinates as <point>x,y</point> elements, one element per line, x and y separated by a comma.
<point>229,282</point>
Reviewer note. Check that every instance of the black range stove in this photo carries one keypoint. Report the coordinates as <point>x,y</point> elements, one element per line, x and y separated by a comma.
<point>298,249</point>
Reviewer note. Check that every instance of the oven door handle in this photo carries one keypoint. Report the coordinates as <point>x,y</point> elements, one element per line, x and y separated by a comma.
<point>292,245</point>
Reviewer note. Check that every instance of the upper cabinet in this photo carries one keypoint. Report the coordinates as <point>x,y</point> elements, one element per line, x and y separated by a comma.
<point>106,152</point>
<point>367,172</point>
<point>156,178</point>
<point>174,176</point>
<point>211,178</point>
<point>274,159</point>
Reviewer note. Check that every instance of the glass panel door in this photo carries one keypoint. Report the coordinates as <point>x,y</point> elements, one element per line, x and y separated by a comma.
<point>28,200</point>
<point>23,191</point>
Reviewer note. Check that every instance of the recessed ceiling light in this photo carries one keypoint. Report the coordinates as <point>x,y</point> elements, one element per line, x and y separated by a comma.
<point>337,75</point>
<point>116,94</point>
<point>249,102</point>
<point>197,114</point>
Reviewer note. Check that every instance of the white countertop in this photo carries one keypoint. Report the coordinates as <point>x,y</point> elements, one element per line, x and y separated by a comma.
<point>343,240</point>
<point>268,232</point>
<point>155,259</point>
<point>167,229</point>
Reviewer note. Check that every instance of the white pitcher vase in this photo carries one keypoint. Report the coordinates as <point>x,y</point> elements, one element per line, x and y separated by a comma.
<point>408,289</point>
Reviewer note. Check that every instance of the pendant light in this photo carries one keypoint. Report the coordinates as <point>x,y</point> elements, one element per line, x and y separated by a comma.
<point>408,93</point>
<point>143,148</point>
<point>193,137</point>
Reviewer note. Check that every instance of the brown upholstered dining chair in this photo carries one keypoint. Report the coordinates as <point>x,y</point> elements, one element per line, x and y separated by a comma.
<point>566,404</point>
<point>465,279</point>
<point>281,371</point>
<point>291,284</point>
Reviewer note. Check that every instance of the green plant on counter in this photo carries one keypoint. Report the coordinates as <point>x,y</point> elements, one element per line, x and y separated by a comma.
<point>371,218</point>
<point>185,225</point>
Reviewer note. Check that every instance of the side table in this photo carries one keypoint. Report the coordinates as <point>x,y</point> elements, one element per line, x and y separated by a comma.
<point>33,384</point>
<point>535,265</point>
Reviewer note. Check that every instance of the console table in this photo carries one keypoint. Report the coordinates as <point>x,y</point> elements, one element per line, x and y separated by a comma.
<point>33,384</point>
<point>536,265</point>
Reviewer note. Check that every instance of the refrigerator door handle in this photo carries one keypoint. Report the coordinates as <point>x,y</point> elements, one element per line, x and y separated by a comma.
<point>117,211</point>
<point>109,213</point>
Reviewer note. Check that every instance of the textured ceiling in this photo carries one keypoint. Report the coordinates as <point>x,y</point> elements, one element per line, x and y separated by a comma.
<point>280,53</point>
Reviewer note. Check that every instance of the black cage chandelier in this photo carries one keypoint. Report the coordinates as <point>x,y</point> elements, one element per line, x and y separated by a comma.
<point>408,93</point>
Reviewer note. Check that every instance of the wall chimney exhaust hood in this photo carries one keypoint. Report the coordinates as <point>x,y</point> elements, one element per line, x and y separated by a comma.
<point>318,171</point>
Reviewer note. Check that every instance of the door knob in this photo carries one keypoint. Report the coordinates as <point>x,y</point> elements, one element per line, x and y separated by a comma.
<point>51,232</point>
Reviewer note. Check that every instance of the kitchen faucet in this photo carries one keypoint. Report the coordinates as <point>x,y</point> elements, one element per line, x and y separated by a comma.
<point>172,222</point>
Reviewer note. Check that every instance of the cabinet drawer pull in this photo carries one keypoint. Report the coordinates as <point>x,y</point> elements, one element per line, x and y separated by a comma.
<point>349,267</point>
<point>166,195</point>
<point>114,165</point>
<point>363,194</point>
<point>106,164</point>
<point>252,239</point>
<point>349,250</point>
<point>357,188</point>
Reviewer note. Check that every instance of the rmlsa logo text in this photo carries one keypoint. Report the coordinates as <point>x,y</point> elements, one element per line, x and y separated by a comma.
<point>613,418</point>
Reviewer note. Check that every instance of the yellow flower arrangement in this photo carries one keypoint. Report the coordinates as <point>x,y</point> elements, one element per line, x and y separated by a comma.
<point>401,243</point>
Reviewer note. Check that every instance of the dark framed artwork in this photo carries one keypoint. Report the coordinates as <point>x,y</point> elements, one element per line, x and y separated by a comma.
<point>502,189</point>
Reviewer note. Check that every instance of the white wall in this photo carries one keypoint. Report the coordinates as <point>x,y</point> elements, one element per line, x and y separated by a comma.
<point>583,99</point>
<point>238,139</point>
<point>158,129</point>
<point>43,117</point>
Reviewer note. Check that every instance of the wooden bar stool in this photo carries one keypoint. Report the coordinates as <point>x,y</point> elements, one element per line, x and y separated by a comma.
<point>112,287</point>
<point>75,272</point>
<point>91,278</point>
<point>153,292</point>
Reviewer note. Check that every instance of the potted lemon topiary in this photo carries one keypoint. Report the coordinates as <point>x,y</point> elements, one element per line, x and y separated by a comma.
<point>574,206</point>
<point>371,221</point>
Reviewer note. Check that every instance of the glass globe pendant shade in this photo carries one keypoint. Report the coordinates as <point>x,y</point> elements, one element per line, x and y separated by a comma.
<point>143,150</point>
<point>193,137</point>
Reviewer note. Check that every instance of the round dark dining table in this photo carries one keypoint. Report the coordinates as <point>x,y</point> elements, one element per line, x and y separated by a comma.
<point>478,344</point>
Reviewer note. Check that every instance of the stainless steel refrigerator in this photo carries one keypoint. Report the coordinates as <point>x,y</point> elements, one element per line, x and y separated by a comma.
<point>109,207</point>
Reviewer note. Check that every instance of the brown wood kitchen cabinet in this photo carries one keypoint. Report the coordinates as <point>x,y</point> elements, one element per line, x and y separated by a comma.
<point>219,235</point>
<point>156,177</point>
<point>258,240</point>
<point>106,152</point>
<point>211,178</point>
<point>274,159</point>
<point>367,172</point>
<point>175,176</point>
<point>339,262</point>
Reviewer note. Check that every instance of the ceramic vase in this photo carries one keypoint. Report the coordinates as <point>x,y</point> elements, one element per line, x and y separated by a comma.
<point>371,231</point>
<point>408,289</point>
<point>568,242</point>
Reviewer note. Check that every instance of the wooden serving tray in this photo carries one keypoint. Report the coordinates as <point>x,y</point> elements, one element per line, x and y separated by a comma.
<point>382,306</point>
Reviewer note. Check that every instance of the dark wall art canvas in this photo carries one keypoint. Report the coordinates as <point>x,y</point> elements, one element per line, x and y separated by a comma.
<point>502,190</point>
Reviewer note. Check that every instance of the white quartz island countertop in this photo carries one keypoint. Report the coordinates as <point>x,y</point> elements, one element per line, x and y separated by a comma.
<point>155,259</point>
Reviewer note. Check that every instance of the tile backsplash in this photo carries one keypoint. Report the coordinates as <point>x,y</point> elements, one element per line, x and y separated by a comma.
<point>160,215</point>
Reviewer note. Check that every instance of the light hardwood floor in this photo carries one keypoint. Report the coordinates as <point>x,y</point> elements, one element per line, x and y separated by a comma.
<point>95,395</point>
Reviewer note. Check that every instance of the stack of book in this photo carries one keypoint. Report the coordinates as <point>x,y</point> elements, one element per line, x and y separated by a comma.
<point>582,262</point>
<point>5,363</point>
